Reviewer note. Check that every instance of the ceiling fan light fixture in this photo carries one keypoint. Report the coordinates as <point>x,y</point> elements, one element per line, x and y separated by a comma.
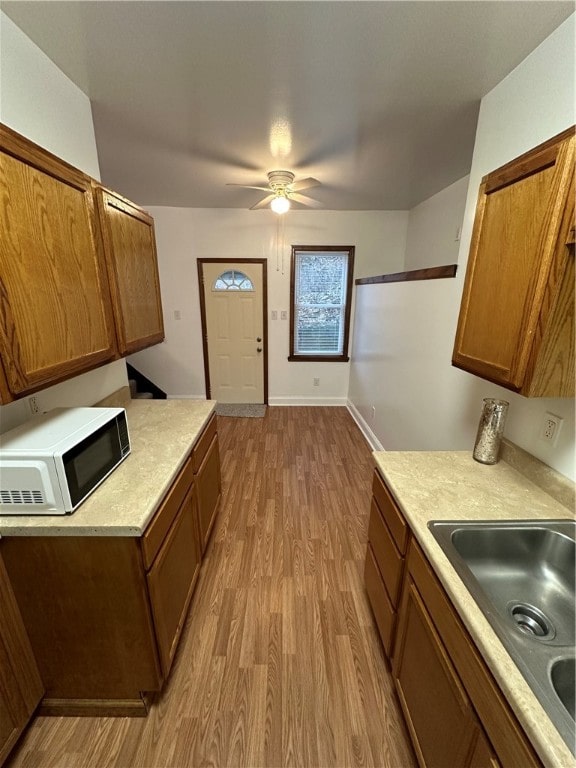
<point>280,204</point>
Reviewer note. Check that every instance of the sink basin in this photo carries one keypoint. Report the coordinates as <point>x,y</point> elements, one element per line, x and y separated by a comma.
<point>522,576</point>
<point>564,683</point>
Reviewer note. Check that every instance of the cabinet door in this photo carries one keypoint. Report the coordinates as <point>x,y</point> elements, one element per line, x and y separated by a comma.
<point>513,276</point>
<point>208,485</point>
<point>437,710</point>
<point>11,724</point>
<point>20,686</point>
<point>130,247</point>
<point>172,578</point>
<point>56,318</point>
<point>483,755</point>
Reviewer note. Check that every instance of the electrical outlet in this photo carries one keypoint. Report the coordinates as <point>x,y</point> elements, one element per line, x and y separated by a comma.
<point>550,428</point>
<point>316,382</point>
<point>283,315</point>
<point>274,314</point>
<point>33,405</point>
<point>177,314</point>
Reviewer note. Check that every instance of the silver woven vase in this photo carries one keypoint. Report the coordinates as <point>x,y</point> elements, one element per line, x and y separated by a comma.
<point>490,430</point>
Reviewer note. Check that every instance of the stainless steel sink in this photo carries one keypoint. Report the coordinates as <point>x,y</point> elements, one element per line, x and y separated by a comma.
<point>522,575</point>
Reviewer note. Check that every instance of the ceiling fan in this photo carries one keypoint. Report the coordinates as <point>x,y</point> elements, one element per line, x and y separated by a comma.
<point>282,189</point>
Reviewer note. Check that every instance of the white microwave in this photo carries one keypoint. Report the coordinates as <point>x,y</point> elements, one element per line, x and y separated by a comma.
<point>52,463</point>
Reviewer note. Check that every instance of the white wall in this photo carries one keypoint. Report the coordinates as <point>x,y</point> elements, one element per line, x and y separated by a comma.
<point>184,235</point>
<point>434,228</point>
<point>404,332</point>
<point>40,102</point>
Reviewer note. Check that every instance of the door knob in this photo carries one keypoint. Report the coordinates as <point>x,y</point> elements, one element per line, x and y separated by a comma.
<point>258,349</point>
<point>258,338</point>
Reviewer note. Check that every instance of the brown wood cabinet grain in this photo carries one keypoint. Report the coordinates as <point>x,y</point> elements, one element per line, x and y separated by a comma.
<point>88,618</point>
<point>172,579</point>
<point>20,685</point>
<point>390,561</point>
<point>437,709</point>
<point>206,459</point>
<point>161,523</point>
<point>482,753</point>
<point>130,248</point>
<point>455,711</point>
<point>516,323</point>
<point>388,537</point>
<point>423,595</point>
<point>383,610</point>
<point>55,319</point>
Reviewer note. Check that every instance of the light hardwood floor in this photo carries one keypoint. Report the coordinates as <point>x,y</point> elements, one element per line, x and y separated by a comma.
<point>279,664</point>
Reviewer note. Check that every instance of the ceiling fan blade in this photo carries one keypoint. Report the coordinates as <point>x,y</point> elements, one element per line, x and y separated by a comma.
<point>304,184</point>
<point>304,200</point>
<point>248,186</point>
<point>263,203</point>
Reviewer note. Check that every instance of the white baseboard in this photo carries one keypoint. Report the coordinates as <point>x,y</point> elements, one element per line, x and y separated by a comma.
<point>373,441</point>
<point>287,400</point>
<point>324,401</point>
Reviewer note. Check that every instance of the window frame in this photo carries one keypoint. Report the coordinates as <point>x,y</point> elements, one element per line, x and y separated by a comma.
<point>340,358</point>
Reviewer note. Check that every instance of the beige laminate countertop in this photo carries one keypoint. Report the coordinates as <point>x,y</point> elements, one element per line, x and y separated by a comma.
<point>452,486</point>
<point>162,434</point>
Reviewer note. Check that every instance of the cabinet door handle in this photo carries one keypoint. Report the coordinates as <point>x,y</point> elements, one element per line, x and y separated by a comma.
<point>258,349</point>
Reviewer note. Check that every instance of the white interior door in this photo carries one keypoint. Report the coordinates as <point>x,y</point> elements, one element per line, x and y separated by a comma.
<point>233,300</point>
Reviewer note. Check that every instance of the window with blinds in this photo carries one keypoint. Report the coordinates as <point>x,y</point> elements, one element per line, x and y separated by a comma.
<point>321,287</point>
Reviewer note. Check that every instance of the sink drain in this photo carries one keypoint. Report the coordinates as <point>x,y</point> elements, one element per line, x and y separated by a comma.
<point>531,621</point>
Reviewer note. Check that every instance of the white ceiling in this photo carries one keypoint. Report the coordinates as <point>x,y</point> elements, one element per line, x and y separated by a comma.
<point>377,100</point>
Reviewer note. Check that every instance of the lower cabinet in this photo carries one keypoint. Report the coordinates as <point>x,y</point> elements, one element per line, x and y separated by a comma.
<point>482,753</point>
<point>387,543</point>
<point>105,613</point>
<point>20,685</point>
<point>382,608</point>
<point>172,578</point>
<point>206,462</point>
<point>437,710</point>
<point>456,714</point>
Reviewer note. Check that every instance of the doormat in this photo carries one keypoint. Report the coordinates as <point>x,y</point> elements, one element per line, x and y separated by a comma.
<point>242,410</point>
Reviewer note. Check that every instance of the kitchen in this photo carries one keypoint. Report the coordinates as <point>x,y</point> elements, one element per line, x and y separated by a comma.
<point>420,418</point>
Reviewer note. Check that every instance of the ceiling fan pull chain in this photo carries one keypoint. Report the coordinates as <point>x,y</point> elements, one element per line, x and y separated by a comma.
<point>277,243</point>
<point>283,245</point>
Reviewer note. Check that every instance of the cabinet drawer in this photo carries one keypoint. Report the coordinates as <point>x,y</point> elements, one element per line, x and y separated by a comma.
<point>171,581</point>
<point>382,608</point>
<point>160,524</point>
<point>203,444</point>
<point>389,561</point>
<point>390,512</point>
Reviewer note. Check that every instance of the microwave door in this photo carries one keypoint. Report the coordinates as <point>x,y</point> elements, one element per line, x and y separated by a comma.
<point>89,462</point>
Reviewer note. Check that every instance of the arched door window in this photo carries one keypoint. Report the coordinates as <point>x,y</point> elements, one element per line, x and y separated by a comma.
<point>233,280</point>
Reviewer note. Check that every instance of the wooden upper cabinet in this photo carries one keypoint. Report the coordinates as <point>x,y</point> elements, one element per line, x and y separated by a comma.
<point>130,248</point>
<point>55,316</point>
<point>516,324</point>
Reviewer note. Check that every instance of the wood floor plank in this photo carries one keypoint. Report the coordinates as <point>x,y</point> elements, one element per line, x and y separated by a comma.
<point>279,662</point>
